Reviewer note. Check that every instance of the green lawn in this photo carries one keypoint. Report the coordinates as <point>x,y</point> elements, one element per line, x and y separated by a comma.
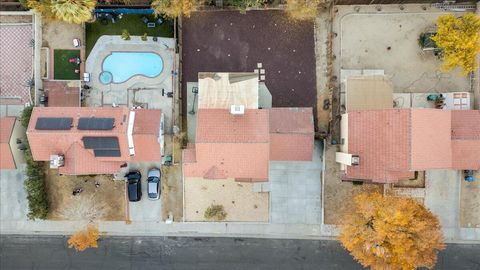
<point>134,25</point>
<point>64,70</point>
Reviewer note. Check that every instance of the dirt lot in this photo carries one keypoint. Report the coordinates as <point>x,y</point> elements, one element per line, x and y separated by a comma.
<point>172,192</point>
<point>338,194</point>
<point>105,202</point>
<point>470,203</point>
<point>227,41</point>
<point>238,199</point>
<point>388,40</point>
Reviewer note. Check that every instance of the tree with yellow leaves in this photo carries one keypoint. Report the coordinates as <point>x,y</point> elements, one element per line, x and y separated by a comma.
<point>175,8</point>
<point>302,9</point>
<point>459,40</point>
<point>84,239</point>
<point>391,233</point>
<point>71,11</point>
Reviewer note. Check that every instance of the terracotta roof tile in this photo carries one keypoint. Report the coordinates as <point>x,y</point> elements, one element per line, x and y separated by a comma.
<point>381,139</point>
<point>235,160</point>
<point>392,144</point>
<point>291,134</point>
<point>219,126</point>
<point>291,120</point>
<point>79,160</point>
<point>60,94</point>
<point>430,139</point>
<point>6,128</point>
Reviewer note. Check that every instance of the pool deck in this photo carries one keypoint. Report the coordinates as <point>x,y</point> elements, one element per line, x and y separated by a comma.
<point>138,90</point>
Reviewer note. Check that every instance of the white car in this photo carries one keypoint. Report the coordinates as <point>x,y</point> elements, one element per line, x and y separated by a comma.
<point>153,184</point>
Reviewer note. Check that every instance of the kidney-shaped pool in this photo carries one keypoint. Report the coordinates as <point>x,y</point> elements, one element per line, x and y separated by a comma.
<point>118,67</point>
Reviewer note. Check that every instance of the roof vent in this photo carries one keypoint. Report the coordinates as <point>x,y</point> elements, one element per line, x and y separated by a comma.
<point>237,109</point>
<point>56,161</point>
<point>355,160</point>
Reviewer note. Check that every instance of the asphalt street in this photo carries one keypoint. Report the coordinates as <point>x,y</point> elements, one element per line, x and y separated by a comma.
<point>51,252</point>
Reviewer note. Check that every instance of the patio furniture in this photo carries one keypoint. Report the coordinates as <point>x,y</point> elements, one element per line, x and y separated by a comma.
<point>144,20</point>
<point>151,25</point>
<point>86,76</point>
<point>75,60</point>
<point>76,42</point>
<point>160,21</point>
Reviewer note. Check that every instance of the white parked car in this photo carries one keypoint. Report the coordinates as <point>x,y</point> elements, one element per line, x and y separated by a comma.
<point>154,184</point>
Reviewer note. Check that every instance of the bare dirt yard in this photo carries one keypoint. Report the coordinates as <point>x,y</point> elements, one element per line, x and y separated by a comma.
<point>228,41</point>
<point>102,197</point>
<point>239,200</point>
<point>172,192</point>
<point>338,194</point>
<point>387,39</point>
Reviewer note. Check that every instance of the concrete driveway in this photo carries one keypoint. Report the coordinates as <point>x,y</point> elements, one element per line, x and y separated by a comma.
<point>13,199</point>
<point>145,209</point>
<point>295,188</point>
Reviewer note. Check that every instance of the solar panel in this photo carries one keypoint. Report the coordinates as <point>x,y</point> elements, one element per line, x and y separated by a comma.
<point>53,123</point>
<point>106,153</point>
<point>93,123</point>
<point>101,143</point>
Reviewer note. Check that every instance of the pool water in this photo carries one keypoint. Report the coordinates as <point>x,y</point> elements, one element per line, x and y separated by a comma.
<point>124,65</point>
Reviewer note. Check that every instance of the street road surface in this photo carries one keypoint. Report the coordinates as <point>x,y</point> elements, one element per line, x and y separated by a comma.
<point>165,253</point>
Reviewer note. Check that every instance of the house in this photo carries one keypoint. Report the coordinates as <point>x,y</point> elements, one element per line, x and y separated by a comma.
<point>81,140</point>
<point>235,141</point>
<point>11,132</point>
<point>389,145</point>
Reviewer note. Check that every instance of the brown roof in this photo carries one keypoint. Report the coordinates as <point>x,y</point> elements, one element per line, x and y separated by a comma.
<point>241,146</point>
<point>6,128</point>
<point>291,134</point>
<point>62,93</point>
<point>393,143</point>
<point>79,160</point>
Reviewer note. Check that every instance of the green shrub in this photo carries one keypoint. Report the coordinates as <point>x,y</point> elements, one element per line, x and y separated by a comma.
<point>35,187</point>
<point>125,34</point>
<point>144,37</point>
<point>215,212</point>
<point>243,5</point>
<point>25,117</point>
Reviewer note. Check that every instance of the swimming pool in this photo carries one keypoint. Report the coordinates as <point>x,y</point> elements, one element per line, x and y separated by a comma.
<point>119,67</point>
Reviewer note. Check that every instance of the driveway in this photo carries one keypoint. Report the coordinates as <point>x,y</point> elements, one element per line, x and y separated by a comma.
<point>145,209</point>
<point>295,188</point>
<point>13,199</point>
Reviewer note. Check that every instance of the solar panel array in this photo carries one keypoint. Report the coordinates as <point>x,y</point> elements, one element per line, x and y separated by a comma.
<point>53,123</point>
<point>93,123</point>
<point>102,146</point>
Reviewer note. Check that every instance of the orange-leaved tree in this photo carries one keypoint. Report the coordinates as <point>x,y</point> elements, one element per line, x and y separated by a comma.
<point>391,233</point>
<point>459,39</point>
<point>84,239</point>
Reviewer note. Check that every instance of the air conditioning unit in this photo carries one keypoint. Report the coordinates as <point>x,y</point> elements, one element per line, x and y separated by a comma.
<point>237,109</point>
<point>56,161</point>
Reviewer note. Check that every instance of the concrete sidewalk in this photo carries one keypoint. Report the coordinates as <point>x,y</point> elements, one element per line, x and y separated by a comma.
<point>222,229</point>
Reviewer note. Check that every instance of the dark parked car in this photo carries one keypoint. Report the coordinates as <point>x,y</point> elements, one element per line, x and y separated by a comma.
<point>153,184</point>
<point>134,186</point>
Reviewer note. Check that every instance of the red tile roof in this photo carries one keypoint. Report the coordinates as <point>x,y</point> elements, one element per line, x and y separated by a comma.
<point>6,128</point>
<point>219,126</point>
<point>291,134</point>
<point>393,143</point>
<point>240,146</point>
<point>430,139</point>
<point>381,139</point>
<point>79,160</point>
<point>60,94</point>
